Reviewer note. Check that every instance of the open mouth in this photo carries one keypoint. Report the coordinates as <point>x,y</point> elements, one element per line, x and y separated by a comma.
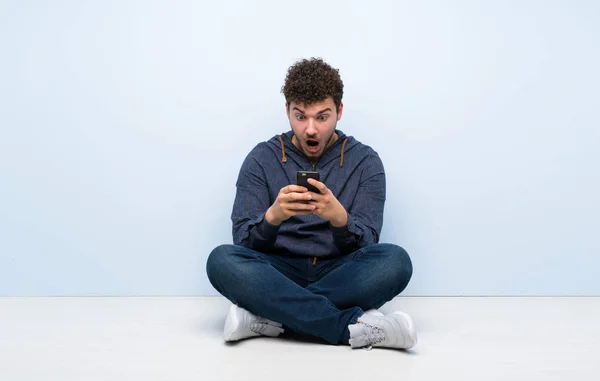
<point>313,145</point>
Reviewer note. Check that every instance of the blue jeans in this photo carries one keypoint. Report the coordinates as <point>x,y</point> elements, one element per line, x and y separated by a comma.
<point>318,299</point>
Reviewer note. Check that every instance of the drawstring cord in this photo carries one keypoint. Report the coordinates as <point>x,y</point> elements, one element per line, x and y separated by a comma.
<point>284,158</point>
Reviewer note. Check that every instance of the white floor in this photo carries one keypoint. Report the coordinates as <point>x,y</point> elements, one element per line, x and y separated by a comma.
<point>179,338</point>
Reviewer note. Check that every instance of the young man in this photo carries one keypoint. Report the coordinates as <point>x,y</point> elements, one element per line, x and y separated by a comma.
<point>311,261</point>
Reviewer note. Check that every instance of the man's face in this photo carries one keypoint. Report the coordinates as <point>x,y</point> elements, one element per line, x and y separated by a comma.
<point>313,125</point>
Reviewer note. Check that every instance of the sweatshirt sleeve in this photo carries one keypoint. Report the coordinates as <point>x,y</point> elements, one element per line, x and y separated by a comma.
<point>365,218</point>
<point>250,228</point>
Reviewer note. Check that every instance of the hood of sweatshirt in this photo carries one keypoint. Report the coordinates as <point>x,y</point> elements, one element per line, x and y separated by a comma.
<point>288,151</point>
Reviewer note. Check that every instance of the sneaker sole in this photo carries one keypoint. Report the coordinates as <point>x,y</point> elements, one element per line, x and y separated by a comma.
<point>411,328</point>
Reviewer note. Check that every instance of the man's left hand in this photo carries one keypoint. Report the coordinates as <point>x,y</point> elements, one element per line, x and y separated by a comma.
<point>327,206</point>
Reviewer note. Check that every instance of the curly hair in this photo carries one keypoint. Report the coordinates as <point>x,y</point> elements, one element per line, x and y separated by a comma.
<point>312,80</point>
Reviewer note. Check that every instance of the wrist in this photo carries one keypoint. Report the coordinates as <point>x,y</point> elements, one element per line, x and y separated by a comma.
<point>340,221</point>
<point>271,219</point>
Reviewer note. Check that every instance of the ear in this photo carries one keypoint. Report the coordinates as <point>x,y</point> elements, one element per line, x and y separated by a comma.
<point>340,110</point>
<point>287,110</point>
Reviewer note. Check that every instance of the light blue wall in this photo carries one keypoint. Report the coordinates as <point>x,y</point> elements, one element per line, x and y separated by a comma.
<point>123,125</point>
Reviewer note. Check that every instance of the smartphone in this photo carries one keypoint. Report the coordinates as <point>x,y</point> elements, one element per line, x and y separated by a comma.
<point>302,180</point>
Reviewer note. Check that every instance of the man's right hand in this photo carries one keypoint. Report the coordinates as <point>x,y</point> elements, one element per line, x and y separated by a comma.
<point>291,201</point>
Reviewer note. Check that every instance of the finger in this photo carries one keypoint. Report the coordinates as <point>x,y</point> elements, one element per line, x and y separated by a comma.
<point>316,197</point>
<point>295,196</point>
<point>302,212</point>
<point>294,189</point>
<point>318,206</point>
<point>320,186</point>
<point>299,206</point>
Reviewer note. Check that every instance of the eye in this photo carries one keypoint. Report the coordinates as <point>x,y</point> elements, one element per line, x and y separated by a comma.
<point>300,117</point>
<point>323,118</point>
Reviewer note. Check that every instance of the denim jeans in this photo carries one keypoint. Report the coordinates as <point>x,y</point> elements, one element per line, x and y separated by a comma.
<point>319,298</point>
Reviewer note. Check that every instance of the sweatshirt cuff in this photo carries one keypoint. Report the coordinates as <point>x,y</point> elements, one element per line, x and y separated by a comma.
<point>347,231</point>
<point>264,230</point>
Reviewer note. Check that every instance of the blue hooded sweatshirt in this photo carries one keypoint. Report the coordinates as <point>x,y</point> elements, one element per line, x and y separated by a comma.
<point>351,170</point>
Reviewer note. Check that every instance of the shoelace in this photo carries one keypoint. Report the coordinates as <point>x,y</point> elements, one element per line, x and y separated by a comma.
<point>259,325</point>
<point>374,335</point>
<point>263,327</point>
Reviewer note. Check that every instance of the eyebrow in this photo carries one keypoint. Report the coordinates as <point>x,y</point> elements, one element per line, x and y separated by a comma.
<point>319,113</point>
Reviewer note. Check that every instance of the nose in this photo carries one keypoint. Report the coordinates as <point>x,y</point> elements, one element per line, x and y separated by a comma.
<point>311,128</point>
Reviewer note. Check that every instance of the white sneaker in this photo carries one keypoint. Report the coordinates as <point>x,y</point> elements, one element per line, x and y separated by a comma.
<point>395,330</point>
<point>374,312</point>
<point>242,324</point>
